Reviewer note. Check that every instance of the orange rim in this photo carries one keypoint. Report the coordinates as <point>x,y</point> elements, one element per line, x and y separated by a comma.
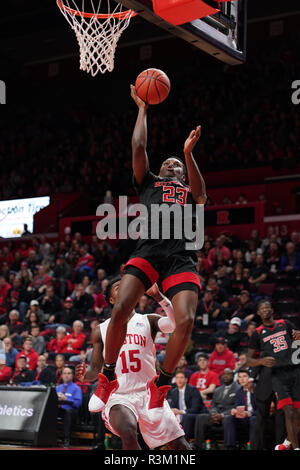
<point>103,16</point>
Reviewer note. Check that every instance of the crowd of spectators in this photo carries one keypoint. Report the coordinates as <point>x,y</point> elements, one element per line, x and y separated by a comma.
<point>52,293</point>
<point>52,296</point>
<point>41,156</point>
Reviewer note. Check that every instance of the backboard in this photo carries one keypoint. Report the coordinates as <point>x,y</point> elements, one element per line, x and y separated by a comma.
<point>222,35</point>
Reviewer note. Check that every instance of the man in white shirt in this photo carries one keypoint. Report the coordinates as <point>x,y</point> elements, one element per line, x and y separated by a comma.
<point>243,415</point>
<point>180,381</point>
<point>186,403</point>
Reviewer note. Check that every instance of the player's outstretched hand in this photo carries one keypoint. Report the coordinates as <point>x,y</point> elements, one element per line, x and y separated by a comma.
<point>192,140</point>
<point>140,103</point>
<point>80,370</point>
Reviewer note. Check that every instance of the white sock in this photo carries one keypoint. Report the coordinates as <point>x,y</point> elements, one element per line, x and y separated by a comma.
<point>287,443</point>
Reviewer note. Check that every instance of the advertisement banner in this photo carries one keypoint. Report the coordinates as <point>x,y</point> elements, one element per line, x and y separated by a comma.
<point>17,212</point>
<point>20,411</point>
<point>28,414</point>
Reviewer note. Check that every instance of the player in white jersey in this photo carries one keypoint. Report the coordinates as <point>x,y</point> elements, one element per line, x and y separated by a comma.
<point>127,406</point>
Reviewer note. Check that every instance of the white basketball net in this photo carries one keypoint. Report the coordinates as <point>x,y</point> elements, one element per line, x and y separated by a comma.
<point>97,32</point>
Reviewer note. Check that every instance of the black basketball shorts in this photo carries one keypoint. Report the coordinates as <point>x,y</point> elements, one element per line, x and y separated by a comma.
<point>172,274</point>
<point>286,385</point>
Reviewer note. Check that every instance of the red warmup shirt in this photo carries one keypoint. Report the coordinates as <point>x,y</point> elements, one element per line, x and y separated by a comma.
<point>3,294</point>
<point>100,301</point>
<point>32,357</point>
<point>56,346</point>
<point>5,374</point>
<point>202,380</point>
<point>86,260</point>
<point>207,264</point>
<point>74,347</point>
<point>9,259</point>
<point>24,252</point>
<point>212,254</point>
<point>219,362</point>
<point>39,281</point>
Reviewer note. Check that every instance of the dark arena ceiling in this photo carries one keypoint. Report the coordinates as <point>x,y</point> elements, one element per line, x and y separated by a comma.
<point>34,30</point>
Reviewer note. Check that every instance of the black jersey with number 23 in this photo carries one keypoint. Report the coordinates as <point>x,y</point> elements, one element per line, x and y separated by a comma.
<point>155,190</point>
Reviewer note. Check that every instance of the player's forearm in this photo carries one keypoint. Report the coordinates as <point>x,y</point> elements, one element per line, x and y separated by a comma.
<point>139,136</point>
<point>196,180</point>
<point>251,362</point>
<point>91,374</point>
<point>140,163</point>
<point>167,324</point>
<point>96,363</point>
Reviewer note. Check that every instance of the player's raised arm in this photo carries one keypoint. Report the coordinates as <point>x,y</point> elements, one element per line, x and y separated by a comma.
<point>140,163</point>
<point>196,180</point>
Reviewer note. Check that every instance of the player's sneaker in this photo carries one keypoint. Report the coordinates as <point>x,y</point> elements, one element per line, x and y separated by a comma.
<point>156,395</point>
<point>104,389</point>
<point>284,446</point>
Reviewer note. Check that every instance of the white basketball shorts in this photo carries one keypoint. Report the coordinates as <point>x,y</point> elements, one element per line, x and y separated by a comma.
<point>154,434</point>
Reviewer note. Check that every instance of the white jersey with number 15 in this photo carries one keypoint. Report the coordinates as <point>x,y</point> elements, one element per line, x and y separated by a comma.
<point>136,363</point>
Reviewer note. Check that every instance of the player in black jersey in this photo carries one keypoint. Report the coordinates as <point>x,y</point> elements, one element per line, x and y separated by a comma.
<point>273,339</point>
<point>165,261</point>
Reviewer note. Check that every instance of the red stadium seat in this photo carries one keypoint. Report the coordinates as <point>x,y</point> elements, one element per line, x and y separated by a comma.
<point>293,318</point>
<point>266,289</point>
<point>284,307</point>
<point>284,292</point>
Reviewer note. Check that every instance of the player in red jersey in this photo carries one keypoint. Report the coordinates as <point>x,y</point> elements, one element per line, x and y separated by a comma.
<point>274,341</point>
<point>127,404</point>
<point>166,261</point>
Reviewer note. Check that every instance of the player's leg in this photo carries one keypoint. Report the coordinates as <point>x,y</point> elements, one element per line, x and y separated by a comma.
<point>135,281</point>
<point>296,418</point>
<point>164,431</point>
<point>130,290</point>
<point>184,305</point>
<point>179,444</point>
<point>262,413</point>
<point>295,389</point>
<point>285,384</point>
<point>139,275</point>
<point>181,284</point>
<point>290,427</point>
<point>124,423</point>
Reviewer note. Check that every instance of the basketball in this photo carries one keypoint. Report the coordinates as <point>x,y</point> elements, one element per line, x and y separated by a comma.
<point>152,86</point>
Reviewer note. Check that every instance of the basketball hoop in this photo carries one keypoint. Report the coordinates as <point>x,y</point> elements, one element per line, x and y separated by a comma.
<point>97,33</point>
